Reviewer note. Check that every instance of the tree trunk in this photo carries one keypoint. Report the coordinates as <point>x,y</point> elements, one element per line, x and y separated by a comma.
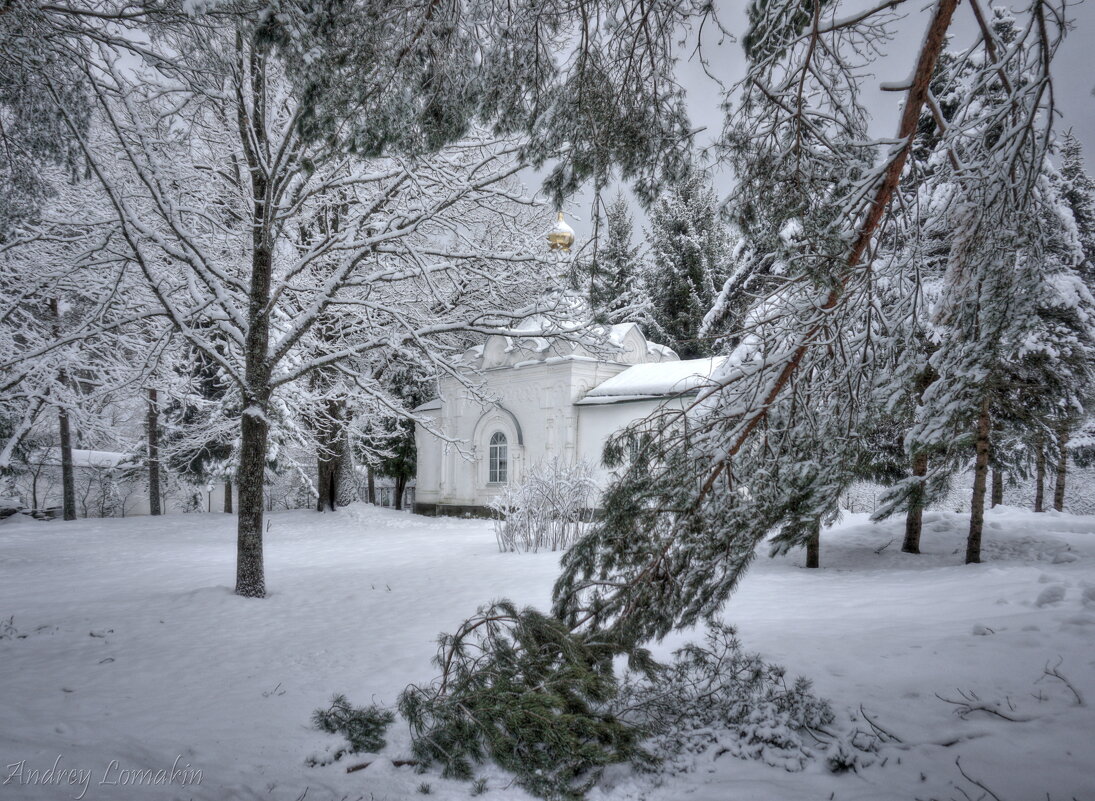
<point>330,442</point>
<point>153,454</point>
<point>347,490</point>
<point>250,578</point>
<point>813,545</point>
<point>914,517</point>
<point>1040,478</point>
<point>228,495</point>
<point>997,486</point>
<point>980,478</point>
<point>371,488</point>
<point>400,486</point>
<point>1062,469</point>
<point>327,484</point>
<point>254,428</point>
<point>68,478</point>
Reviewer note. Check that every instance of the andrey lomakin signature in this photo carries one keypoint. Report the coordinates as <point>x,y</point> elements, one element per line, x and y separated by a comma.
<point>114,775</point>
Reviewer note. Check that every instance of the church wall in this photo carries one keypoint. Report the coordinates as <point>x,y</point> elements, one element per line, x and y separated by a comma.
<point>597,423</point>
<point>428,454</point>
<point>535,411</point>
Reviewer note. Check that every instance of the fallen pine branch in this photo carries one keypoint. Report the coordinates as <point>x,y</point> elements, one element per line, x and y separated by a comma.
<point>399,763</point>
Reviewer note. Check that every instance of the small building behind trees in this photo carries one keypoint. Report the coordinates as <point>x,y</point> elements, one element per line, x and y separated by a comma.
<point>548,398</point>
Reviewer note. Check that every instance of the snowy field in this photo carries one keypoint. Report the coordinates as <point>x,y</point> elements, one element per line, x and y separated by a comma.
<point>129,651</point>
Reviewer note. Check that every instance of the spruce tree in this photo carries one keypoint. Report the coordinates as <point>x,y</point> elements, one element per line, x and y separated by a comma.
<point>1078,194</point>
<point>1077,191</point>
<point>689,250</point>
<point>615,286</point>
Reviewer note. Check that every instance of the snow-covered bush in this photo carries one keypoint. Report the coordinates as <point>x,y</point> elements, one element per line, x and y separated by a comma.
<point>546,511</point>
<point>715,695</point>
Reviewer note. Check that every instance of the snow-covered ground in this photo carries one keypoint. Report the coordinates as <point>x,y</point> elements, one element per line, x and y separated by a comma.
<point>137,655</point>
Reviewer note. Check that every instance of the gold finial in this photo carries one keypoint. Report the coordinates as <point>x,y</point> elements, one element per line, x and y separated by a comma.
<point>561,237</point>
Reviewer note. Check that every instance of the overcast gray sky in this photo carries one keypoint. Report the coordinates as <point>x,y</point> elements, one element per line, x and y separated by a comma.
<point>1073,74</point>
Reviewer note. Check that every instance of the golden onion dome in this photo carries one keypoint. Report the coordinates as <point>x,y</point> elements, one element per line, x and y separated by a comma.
<point>561,237</point>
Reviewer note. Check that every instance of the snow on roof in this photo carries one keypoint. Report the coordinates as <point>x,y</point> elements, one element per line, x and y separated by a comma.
<point>429,406</point>
<point>81,458</point>
<point>664,351</point>
<point>618,331</point>
<point>660,379</point>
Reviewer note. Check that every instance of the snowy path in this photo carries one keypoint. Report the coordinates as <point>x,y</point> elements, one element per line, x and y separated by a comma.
<point>136,653</point>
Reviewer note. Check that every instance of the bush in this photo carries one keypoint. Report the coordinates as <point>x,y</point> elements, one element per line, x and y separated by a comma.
<point>545,511</point>
<point>517,687</point>
<point>363,727</point>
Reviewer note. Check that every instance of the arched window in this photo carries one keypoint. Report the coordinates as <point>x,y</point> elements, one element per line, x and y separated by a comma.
<point>498,459</point>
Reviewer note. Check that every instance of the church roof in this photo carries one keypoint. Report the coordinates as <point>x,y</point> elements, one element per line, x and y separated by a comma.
<point>654,380</point>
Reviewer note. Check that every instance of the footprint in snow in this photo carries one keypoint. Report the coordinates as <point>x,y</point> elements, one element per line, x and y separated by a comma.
<point>1053,594</point>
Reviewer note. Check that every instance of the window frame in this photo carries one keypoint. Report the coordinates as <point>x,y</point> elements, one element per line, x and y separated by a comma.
<point>498,458</point>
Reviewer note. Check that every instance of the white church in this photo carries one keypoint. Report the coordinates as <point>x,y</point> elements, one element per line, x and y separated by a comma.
<point>541,398</point>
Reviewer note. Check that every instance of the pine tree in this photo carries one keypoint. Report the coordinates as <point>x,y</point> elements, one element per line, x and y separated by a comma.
<point>615,287</point>
<point>391,443</point>
<point>1008,255</point>
<point>689,251</point>
<point>914,259</point>
<point>1078,193</point>
<point>771,443</point>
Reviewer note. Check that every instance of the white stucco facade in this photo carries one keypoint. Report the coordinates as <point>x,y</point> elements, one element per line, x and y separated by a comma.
<point>542,399</point>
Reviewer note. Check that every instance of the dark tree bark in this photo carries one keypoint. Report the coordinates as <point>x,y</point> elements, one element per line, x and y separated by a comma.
<point>327,485</point>
<point>228,496</point>
<point>250,578</point>
<point>254,428</point>
<point>153,453</point>
<point>914,517</point>
<point>400,486</point>
<point>1062,469</point>
<point>68,478</point>
<point>813,545</point>
<point>997,486</point>
<point>330,456</point>
<point>250,477</point>
<point>1040,478</point>
<point>980,478</point>
<point>371,488</point>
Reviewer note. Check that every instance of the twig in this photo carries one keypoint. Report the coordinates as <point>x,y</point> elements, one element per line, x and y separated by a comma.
<point>970,703</point>
<point>881,733</point>
<point>1053,673</point>
<point>973,781</point>
<point>884,547</point>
